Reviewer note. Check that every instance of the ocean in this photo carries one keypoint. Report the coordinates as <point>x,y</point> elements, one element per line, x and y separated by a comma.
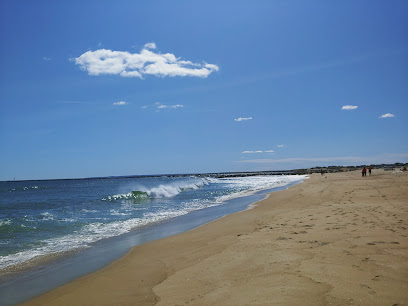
<point>42,218</point>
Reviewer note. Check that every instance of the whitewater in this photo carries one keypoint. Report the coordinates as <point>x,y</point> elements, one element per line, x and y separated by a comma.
<point>47,217</point>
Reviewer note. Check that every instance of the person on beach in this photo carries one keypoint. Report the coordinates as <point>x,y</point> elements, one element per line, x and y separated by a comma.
<point>364,172</point>
<point>369,170</point>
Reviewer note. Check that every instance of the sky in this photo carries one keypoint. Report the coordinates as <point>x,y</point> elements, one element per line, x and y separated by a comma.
<point>111,88</point>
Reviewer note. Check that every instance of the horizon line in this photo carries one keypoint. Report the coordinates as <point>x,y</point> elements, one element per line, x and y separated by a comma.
<point>187,174</point>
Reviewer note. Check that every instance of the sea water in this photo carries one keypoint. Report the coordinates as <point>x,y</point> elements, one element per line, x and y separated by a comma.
<point>41,218</point>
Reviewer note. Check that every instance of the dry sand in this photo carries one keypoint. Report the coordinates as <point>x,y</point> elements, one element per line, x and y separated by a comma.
<point>340,240</point>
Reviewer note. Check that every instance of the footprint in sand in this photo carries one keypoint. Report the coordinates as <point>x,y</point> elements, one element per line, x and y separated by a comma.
<point>382,242</point>
<point>283,238</point>
<point>372,292</point>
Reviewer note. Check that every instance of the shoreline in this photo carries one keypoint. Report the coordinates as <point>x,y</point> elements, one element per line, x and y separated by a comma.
<point>24,281</point>
<point>339,240</point>
<point>26,261</point>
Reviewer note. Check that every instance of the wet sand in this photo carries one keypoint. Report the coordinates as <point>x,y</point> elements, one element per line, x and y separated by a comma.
<point>335,240</point>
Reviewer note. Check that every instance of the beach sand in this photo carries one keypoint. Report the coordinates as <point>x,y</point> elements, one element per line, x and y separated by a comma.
<point>338,239</point>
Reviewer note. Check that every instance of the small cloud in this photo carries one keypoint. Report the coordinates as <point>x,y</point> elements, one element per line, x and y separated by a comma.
<point>349,107</point>
<point>160,106</point>
<point>46,58</point>
<point>243,119</point>
<point>120,103</point>
<point>257,151</point>
<point>281,146</point>
<point>387,115</point>
<point>151,45</point>
<point>252,152</point>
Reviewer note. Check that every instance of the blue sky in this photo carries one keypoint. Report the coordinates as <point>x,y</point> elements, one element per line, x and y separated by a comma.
<point>101,88</point>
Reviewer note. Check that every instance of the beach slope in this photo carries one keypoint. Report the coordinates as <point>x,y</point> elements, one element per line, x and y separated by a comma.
<point>335,240</point>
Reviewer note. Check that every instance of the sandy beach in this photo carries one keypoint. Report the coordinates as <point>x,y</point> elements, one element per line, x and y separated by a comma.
<point>337,239</point>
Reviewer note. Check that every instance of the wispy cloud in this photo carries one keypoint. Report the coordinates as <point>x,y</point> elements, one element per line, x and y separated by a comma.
<point>281,146</point>
<point>46,58</point>
<point>243,119</point>
<point>387,115</point>
<point>258,151</point>
<point>349,107</point>
<point>120,103</point>
<point>343,160</point>
<point>160,106</point>
<point>147,62</point>
<point>151,45</point>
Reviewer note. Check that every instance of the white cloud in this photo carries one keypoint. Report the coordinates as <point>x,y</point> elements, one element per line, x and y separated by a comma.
<point>387,115</point>
<point>146,62</point>
<point>349,107</point>
<point>120,103</point>
<point>151,45</point>
<point>160,106</point>
<point>258,151</point>
<point>281,146</point>
<point>251,152</point>
<point>243,119</point>
<point>46,58</point>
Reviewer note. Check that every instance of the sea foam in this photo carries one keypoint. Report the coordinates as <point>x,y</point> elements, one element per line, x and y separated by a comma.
<point>85,220</point>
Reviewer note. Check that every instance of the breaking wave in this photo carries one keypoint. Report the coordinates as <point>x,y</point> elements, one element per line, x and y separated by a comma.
<point>163,190</point>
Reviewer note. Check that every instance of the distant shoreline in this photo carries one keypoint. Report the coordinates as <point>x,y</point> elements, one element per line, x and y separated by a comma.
<point>318,169</point>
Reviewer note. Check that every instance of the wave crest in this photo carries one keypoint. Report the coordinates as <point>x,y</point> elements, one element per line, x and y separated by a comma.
<point>173,189</point>
<point>164,190</point>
